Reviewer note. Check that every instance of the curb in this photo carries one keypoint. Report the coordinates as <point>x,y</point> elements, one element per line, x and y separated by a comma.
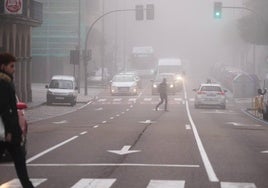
<point>246,111</point>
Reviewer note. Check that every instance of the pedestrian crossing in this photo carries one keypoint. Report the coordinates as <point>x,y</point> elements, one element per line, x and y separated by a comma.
<point>108,183</point>
<point>141,100</point>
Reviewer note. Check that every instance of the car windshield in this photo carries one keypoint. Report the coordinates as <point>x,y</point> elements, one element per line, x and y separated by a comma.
<point>61,84</point>
<point>211,88</point>
<point>124,78</point>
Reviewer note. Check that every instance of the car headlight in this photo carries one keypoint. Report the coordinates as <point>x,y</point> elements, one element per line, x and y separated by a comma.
<point>154,85</point>
<point>113,88</point>
<point>171,85</point>
<point>179,78</point>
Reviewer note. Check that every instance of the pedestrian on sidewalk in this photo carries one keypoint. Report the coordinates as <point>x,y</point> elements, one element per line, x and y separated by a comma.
<point>9,114</point>
<point>162,88</point>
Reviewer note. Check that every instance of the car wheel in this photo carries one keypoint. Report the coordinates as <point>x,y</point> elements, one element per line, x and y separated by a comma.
<point>73,102</point>
<point>49,102</point>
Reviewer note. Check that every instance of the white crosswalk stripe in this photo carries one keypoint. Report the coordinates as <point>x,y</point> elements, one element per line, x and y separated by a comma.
<point>107,183</point>
<point>237,185</point>
<point>15,183</point>
<point>94,183</point>
<point>166,184</point>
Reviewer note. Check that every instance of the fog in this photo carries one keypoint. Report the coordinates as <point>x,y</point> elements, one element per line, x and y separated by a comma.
<point>183,29</point>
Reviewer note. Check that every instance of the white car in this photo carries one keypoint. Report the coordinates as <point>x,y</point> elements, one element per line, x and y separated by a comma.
<point>210,94</point>
<point>62,89</point>
<point>124,84</point>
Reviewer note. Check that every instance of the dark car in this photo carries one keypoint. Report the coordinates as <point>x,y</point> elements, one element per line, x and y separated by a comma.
<point>171,81</point>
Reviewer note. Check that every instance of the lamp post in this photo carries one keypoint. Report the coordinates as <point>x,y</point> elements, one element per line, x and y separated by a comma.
<point>86,55</point>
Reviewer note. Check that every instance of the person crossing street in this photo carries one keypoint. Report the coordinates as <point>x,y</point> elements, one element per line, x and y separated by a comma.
<point>162,88</point>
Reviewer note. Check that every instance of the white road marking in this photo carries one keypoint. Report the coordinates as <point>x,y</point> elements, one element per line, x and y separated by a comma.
<point>15,183</point>
<point>237,185</point>
<point>125,150</point>
<point>102,100</point>
<point>209,169</point>
<point>103,122</point>
<point>166,184</point>
<point>122,112</point>
<point>96,126</point>
<point>265,151</point>
<point>50,149</point>
<point>99,109</point>
<point>82,133</point>
<point>147,99</point>
<point>117,99</point>
<point>60,122</point>
<point>111,117</point>
<point>148,121</point>
<point>178,99</point>
<point>127,109</point>
<point>117,115</point>
<point>188,127</point>
<point>108,164</point>
<point>241,124</point>
<point>132,99</point>
<point>94,183</point>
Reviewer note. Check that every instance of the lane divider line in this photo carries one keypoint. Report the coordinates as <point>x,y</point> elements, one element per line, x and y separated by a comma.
<point>50,149</point>
<point>209,169</point>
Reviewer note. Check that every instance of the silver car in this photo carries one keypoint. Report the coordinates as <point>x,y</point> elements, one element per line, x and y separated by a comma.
<point>124,84</point>
<point>210,94</point>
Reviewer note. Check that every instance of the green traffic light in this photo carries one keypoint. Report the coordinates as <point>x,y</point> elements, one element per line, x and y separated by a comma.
<point>217,15</point>
<point>217,10</point>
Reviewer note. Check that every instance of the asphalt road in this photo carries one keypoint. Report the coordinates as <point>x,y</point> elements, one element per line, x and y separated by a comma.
<point>121,142</point>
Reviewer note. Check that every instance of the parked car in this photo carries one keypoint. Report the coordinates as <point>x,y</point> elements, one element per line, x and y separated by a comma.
<point>173,84</point>
<point>62,89</point>
<point>210,94</point>
<point>124,84</point>
<point>24,128</point>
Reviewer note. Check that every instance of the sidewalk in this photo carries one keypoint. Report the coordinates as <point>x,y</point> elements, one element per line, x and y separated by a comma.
<point>39,95</point>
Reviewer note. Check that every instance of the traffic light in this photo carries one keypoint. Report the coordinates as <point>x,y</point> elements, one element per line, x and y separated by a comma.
<point>217,10</point>
<point>150,11</point>
<point>139,12</point>
<point>74,57</point>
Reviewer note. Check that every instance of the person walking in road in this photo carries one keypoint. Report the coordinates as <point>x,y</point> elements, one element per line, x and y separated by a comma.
<point>162,88</point>
<point>9,115</point>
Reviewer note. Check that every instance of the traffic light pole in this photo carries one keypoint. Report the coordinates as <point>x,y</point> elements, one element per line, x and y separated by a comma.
<point>85,56</point>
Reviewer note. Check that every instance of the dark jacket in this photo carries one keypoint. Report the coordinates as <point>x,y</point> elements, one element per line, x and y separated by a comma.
<point>8,107</point>
<point>162,88</point>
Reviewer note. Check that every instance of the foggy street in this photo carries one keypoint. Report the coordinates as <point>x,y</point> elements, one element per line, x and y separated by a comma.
<point>89,75</point>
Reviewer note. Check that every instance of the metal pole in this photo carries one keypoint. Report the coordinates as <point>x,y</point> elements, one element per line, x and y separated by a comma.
<point>79,43</point>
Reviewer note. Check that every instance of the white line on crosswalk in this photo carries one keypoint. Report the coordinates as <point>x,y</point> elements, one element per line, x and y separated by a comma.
<point>15,183</point>
<point>117,99</point>
<point>237,185</point>
<point>94,183</point>
<point>166,184</point>
<point>110,164</point>
<point>107,183</point>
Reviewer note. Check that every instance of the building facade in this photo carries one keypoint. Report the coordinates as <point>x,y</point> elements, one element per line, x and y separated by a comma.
<point>17,18</point>
<point>64,27</point>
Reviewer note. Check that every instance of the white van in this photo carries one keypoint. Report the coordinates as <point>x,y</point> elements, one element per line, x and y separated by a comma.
<point>62,89</point>
<point>169,65</point>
